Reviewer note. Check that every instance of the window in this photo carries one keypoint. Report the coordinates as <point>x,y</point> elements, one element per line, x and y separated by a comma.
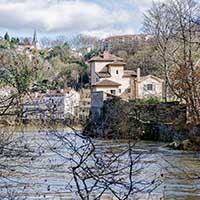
<point>120,91</point>
<point>129,90</point>
<point>113,92</point>
<point>150,87</point>
<point>117,72</point>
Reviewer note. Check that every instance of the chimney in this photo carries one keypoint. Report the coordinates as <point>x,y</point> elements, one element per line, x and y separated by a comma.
<point>36,94</point>
<point>138,74</point>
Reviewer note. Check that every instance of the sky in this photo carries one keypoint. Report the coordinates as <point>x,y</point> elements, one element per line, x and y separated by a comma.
<point>101,18</point>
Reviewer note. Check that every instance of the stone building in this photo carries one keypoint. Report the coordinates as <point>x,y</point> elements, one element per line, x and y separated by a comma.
<point>108,74</point>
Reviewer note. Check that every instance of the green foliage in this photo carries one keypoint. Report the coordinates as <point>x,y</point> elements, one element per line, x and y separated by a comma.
<point>41,86</point>
<point>62,52</point>
<point>4,44</point>
<point>15,41</point>
<point>16,71</point>
<point>151,100</point>
<point>66,45</point>
<point>95,52</point>
<point>23,78</point>
<point>66,69</point>
<point>83,65</point>
<point>44,54</point>
<point>58,68</point>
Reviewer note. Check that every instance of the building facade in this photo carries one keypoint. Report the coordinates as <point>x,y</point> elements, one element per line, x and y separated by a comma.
<point>54,105</point>
<point>108,74</point>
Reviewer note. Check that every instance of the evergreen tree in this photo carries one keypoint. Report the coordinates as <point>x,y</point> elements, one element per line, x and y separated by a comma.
<point>7,37</point>
<point>18,40</point>
<point>14,40</point>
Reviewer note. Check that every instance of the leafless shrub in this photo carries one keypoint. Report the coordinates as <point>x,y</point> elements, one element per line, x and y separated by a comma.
<point>96,172</point>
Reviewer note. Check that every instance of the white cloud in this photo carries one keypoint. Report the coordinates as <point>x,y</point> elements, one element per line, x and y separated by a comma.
<point>63,16</point>
<point>141,6</point>
<point>109,32</point>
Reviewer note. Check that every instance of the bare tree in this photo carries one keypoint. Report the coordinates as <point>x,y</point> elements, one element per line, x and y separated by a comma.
<point>158,23</point>
<point>84,41</point>
<point>98,172</point>
<point>174,25</point>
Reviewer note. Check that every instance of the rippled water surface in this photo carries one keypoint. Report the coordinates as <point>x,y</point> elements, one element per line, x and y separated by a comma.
<point>46,176</point>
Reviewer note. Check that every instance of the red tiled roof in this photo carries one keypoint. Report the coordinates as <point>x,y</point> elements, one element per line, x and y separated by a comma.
<point>142,78</point>
<point>116,63</point>
<point>129,73</point>
<point>28,46</point>
<point>57,92</point>
<point>103,74</point>
<point>107,82</point>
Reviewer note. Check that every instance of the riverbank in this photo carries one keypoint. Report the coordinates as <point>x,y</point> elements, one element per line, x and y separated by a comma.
<point>164,122</point>
<point>191,144</point>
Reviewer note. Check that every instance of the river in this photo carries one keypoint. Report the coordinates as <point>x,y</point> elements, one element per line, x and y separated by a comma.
<point>45,177</point>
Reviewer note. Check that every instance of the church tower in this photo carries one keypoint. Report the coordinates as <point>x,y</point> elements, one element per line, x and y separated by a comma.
<point>35,42</point>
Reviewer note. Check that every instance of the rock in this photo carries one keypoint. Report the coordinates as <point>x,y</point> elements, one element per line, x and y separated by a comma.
<point>174,145</point>
<point>187,145</point>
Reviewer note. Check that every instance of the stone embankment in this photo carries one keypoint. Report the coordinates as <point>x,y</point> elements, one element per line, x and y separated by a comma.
<point>125,120</point>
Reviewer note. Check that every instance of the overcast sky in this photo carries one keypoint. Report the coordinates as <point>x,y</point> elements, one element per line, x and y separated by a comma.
<point>100,18</point>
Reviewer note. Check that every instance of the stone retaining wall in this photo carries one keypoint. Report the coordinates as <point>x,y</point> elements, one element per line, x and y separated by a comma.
<point>121,119</point>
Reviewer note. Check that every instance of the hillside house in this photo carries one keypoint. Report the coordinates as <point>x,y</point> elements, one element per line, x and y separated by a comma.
<point>108,74</point>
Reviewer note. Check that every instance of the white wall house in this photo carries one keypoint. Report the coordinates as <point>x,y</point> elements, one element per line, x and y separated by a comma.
<point>53,105</point>
<point>150,86</point>
<point>108,74</point>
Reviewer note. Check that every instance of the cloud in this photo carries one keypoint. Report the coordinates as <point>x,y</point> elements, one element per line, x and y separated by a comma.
<point>63,16</point>
<point>143,4</point>
<point>109,32</point>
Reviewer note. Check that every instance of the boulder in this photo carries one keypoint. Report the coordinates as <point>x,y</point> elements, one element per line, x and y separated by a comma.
<point>175,145</point>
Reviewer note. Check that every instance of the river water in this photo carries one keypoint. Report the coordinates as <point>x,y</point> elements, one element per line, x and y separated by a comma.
<point>46,176</point>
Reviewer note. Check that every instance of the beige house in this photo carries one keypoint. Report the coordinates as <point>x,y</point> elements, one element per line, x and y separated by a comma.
<point>108,74</point>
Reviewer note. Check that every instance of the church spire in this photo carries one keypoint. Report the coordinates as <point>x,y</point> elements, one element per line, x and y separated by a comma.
<point>35,41</point>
